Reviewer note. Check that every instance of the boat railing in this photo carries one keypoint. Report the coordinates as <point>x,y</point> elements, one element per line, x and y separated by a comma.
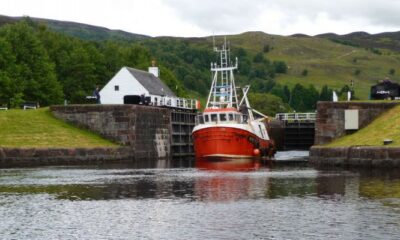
<point>208,118</point>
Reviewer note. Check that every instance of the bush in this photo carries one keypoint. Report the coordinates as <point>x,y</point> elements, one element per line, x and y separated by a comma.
<point>280,67</point>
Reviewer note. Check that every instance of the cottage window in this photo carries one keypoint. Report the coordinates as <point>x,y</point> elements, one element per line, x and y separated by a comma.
<point>116,88</point>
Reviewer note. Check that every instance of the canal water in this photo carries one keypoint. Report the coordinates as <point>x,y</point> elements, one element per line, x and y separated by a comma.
<point>271,202</point>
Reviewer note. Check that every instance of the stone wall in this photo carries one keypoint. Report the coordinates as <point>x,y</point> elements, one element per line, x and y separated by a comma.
<point>330,117</point>
<point>26,157</point>
<point>146,130</point>
<point>357,156</point>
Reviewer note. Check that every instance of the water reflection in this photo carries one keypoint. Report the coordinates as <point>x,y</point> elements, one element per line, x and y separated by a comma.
<point>210,183</point>
<point>228,164</point>
<point>193,203</point>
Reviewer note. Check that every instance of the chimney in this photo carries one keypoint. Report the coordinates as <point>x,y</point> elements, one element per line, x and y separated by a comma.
<point>153,69</point>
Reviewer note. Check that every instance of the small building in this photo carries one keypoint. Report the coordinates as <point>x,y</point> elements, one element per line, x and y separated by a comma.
<point>133,82</point>
<point>385,89</point>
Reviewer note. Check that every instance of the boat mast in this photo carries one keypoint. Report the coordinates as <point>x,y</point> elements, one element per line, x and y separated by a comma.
<point>223,90</point>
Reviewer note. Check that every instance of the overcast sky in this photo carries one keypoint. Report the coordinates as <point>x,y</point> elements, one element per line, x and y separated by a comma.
<point>191,18</point>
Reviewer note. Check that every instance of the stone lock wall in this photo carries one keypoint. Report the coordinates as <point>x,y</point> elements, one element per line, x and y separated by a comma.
<point>28,157</point>
<point>330,117</point>
<point>146,130</point>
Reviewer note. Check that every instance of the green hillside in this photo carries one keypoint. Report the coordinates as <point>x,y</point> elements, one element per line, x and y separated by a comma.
<point>387,126</point>
<point>72,58</point>
<point>80,30</point>
<point>327,62</point>
<point>38,128</point>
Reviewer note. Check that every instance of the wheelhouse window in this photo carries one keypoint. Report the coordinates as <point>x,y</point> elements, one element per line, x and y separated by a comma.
<point>230,117</point>
<point>206,118</point>
<point>245,118</point>
<point>214,117</point>
<point>237,118</point>
<point>116,88</point>
<point>222,117</point>
<point>200,118</point>
<point>261,131</point>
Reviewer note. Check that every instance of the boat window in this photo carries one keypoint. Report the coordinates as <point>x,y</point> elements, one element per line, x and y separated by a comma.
<point>230,116</point>
<point>206,118</point>
<point>237,117</point>
<point>214,117</point>
<point>245,117</point>
<point>200,119</point>
<point>222,117</point>
<point>261,131</point>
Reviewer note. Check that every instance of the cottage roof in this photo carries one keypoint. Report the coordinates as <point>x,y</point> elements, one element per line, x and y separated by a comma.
<point>152,83</point>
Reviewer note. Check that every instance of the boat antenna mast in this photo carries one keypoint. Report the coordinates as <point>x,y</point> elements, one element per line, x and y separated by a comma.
<point>223,90</point>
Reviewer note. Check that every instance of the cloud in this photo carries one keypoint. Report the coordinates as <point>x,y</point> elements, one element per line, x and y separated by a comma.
<point>205,17</point>
<point>218,16</point>
<point>231,16</point>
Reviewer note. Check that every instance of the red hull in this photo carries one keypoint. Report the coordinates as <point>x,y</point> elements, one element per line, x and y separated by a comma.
<point>229,142</point>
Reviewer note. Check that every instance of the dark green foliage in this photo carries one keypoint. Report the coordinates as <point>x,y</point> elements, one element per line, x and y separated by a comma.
<point>259,58</point>
<point>47,67</point>
<point>260,85</point>
<point>268,104</point>
<point>33,73</point>
<point>375,51</point>
<point>342,93</point>
<point>280,66</point>
<point>304,72</point>
<point>392,71</point>
<point>357,72</point>
<point>344,42</point>
<point>310,98</point>
<point>266,48</point>
<point>326,94</point>
<point>304,99</point>
<point>282,92</point>
<point>286,94</point>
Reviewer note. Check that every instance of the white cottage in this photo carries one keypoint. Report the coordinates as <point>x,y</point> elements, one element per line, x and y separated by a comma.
<point>130,81</point>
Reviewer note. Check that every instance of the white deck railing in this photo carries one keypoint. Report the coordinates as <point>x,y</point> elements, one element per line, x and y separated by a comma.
<point>296,116</point>
<point>176,102</point>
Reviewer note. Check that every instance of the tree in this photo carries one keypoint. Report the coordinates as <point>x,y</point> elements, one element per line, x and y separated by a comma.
<point>287,94</point>
<point>8,86</point>
<point>392,71</point>
<point>259,58</point>
<point>36,73</point>
<point>266,48</point>
<point>280,66</point>
<point>282,92</point>
<point>304,72</point>
<point>311,98</point>
<point>326,94</point>
<point>268,104</point>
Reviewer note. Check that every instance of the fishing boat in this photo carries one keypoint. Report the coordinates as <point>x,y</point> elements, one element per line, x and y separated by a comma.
<point>229,127</point>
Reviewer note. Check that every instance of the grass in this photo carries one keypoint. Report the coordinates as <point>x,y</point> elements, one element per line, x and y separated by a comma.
<point>38,128</point>
<point>387,126</point>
